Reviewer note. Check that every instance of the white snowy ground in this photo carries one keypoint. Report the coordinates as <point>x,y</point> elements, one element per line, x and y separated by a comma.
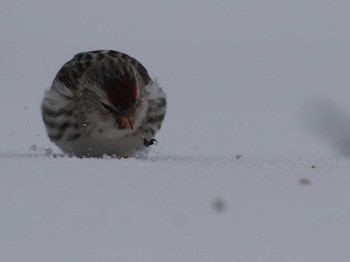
<point>267,80</point>
<point>173,208</point>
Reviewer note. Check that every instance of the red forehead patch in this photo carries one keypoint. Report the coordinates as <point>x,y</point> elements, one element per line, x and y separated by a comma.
<point>122,93</point>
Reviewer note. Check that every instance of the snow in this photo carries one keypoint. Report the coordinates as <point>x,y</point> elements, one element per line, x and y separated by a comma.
<point>67,209</point>
<point>164,208</point>
<point>252,162</point>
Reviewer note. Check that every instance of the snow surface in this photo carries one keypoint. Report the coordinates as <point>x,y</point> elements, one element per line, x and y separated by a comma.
<point>173,208</point>
<point>252,162</point>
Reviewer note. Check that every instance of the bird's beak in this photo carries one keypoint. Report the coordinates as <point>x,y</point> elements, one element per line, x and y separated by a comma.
<point>126,122</point>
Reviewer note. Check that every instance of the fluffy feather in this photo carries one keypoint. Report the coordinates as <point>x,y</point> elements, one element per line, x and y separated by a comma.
<point>82,111</point>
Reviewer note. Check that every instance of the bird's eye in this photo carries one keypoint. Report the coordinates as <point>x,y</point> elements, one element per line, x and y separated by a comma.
<point>107,107</point>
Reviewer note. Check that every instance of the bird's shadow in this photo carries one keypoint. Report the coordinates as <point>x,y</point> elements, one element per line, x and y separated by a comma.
<point>330,122</point>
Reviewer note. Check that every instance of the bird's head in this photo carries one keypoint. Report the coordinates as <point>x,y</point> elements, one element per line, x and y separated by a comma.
<point>122,99</point>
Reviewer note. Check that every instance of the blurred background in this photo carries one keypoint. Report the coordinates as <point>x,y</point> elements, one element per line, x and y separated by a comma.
<point>250,77</point>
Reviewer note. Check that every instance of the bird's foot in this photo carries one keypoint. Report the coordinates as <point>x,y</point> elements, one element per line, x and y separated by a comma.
<point>148,143</point>
<point>121,156</point>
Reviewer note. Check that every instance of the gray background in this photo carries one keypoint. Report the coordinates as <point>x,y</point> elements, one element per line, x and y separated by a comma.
<point>238,74</point>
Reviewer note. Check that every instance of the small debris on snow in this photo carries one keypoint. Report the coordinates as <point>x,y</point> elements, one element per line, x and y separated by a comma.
<point>33,148</point>
<point>313,167</point>
<point>47,151</point>
<point>219,205</point>
<point>238,156</point>
<point>304,181</point>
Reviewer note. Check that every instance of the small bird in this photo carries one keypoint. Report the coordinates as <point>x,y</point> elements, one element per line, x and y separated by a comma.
<point>103,103</point>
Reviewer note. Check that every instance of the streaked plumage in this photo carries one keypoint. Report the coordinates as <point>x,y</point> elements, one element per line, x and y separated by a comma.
<point>103,103</point>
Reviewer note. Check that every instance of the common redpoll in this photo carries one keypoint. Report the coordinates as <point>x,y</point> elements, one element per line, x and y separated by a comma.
<point>103,103</point>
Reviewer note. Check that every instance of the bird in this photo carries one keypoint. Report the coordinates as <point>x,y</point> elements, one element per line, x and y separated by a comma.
<point>103,103</point>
